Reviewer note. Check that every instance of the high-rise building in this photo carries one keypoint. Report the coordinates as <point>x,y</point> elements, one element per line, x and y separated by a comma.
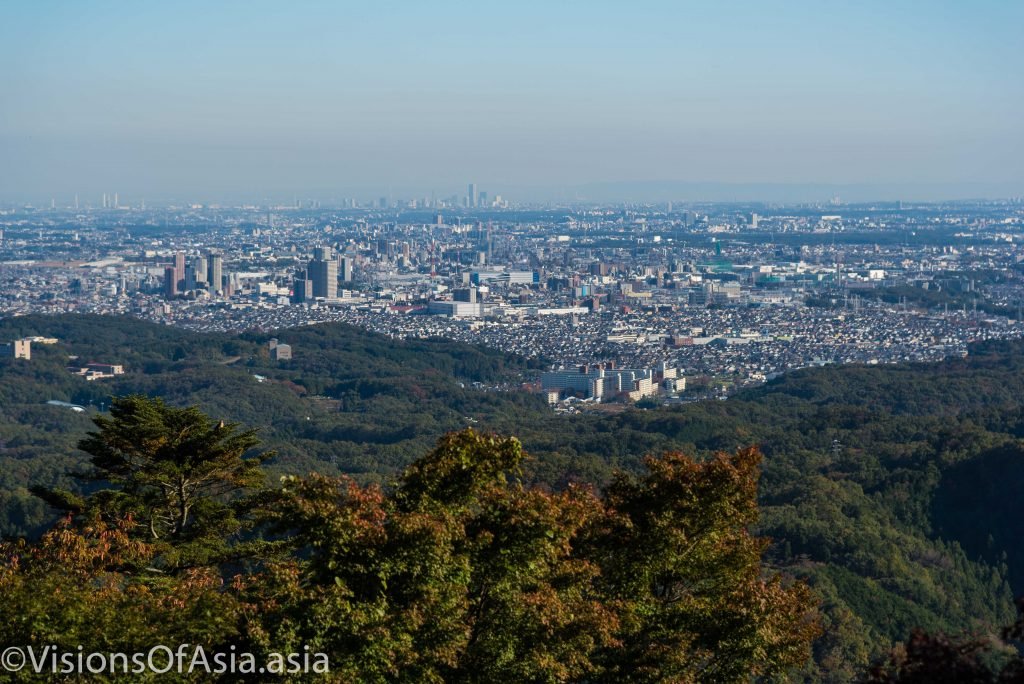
<point>302,288</point>
<point>170,282</point>
<point>472,197</point>
<point>347,265</point>
<point>323,271</point>
<point>179,269</point>
<point>201,269</point>
<point>216,273</point>
<point>191,282</point>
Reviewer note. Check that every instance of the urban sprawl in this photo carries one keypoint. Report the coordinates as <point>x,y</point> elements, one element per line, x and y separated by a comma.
<point>658,302</point>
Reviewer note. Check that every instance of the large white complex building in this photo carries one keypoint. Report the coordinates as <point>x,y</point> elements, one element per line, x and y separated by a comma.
<point>604,381</point>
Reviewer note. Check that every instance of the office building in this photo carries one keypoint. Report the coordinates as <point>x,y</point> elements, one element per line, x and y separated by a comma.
<point>302,289</point>
<point>170,282</point>
<point>323,271</point>
<point>179,270</point>
<point>215,276</point>
<point>191,281</point>
<point>347,265</point>
<point>201,269</point>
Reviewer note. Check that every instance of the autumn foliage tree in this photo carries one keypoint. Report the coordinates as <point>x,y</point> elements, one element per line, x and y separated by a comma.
<point>463,574</point>
<point>458,572</point>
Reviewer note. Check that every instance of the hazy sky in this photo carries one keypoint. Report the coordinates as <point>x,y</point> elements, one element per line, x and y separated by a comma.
<point>228,99</point>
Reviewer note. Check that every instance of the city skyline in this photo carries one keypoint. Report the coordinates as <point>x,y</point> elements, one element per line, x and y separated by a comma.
<point>540,101</point>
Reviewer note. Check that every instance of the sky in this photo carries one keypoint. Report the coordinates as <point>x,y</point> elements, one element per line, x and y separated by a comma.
<point>251,99</point>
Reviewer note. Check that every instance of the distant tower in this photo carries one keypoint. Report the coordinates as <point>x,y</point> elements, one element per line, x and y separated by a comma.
<point>216,273</point>
<point>179,267</point>
<point>323,271</point>
<point>200,270</point>
<point>472,195</point>
<point>76,201</point>
<point>191,277</point>
<point>347,265</point>
<point>116,203</point>
<point>302,288</point>
<point>170,282</point>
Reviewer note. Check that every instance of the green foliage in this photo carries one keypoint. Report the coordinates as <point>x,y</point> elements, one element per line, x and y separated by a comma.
<point>892,490</point>
<point>941,659</point>
<point>170,469</point>
<point>463,574</point>
<point>458,573</point>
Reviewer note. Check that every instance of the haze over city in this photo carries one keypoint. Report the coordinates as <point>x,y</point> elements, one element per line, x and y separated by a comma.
<point>563,341</point>
<point>251,101</point>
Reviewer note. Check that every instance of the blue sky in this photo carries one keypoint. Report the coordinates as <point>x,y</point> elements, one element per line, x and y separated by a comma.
<point>225,99</point>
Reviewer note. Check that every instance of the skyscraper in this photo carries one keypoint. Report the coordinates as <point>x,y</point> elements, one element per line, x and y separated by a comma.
<point>302,288</point>
<point>323,271</point>
<point>216,273</point>
<point>201,269</point>
<point>179,269</point>
<point>347,265</point>
<point>170,282</point>
<point>472,196</point>
<point>191,279</point>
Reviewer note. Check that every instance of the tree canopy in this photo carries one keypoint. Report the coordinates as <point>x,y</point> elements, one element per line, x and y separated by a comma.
<point>459,571</point>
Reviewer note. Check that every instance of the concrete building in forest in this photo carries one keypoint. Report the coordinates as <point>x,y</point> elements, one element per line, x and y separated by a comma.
<point>18,349</point>
<point>602,381</point>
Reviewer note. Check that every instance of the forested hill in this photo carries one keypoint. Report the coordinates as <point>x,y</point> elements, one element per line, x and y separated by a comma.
<point>892,489</point>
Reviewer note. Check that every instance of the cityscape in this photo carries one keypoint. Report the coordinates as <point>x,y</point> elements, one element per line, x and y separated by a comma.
<point>730,295</point>
<point>660,342</point>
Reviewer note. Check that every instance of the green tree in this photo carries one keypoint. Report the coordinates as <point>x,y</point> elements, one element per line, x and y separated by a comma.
<point>172,470</point>
<point>676,552</point>
<point>464,574</point>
